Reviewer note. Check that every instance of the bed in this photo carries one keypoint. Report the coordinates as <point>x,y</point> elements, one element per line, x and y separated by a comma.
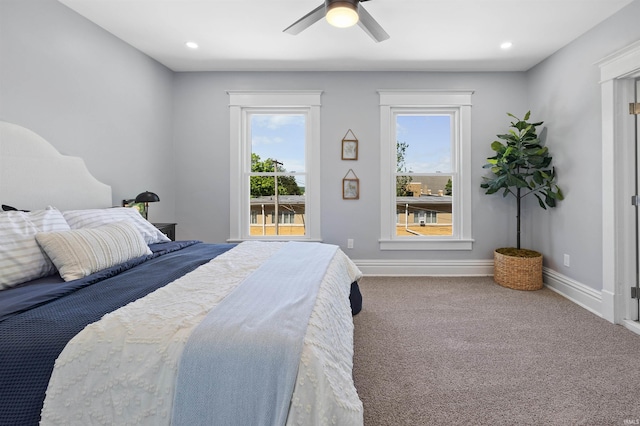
<point>103,320</point>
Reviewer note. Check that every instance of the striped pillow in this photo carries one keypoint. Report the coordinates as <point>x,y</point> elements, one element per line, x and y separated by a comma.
<point>21,259</point>
<point>81,219</point>
<point>81,252</point>
<point>49,220</point>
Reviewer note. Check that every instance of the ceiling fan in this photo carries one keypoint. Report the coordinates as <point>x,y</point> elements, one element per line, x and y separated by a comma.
<point>341,13</point>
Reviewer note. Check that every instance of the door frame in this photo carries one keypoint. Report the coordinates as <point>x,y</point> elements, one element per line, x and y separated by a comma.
<point>617,80</point>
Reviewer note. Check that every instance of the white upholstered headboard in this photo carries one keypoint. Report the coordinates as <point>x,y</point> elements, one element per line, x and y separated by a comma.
<point>34,175</point>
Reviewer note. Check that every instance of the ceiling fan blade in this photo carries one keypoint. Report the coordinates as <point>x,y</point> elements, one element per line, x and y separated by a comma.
<point>370,25</point>
<point>306,21</point>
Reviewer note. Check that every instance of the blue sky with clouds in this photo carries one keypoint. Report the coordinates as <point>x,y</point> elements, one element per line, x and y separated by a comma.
<point>280,137</point>
<point>429,139</point>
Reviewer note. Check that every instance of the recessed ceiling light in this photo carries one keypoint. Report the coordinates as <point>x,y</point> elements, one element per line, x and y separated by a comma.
<point>191,44</point>
<point>506,45</point>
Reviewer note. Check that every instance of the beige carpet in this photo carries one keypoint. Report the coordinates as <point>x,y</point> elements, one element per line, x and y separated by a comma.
<point>465,351</point>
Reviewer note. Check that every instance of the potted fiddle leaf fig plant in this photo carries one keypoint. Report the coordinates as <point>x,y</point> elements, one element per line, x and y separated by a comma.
<point>521,167</point>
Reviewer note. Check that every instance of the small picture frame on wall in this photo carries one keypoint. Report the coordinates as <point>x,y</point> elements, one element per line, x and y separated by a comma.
<point>350,189</point>
<point>349,150</point>
<point>349,147</point>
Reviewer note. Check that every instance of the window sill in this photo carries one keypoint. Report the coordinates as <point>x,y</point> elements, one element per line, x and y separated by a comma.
<point>440,244</point>
<point>283,238</point>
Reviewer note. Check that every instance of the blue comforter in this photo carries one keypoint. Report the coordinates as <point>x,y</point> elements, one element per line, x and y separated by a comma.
<point>35,327</point>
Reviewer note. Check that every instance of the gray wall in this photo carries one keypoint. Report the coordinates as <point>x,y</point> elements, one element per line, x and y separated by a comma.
<point>91,96</point>
<point>349,101</point>
<point>564,91</point>
<point>140,126</point>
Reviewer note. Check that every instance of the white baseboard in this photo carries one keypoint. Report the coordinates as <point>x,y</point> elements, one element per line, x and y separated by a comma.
<point>378,267</point>
<point>631,325</point>
<point>575,291</point>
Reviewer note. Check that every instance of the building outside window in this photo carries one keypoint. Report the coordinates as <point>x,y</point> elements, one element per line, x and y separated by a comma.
<point>285,218</point>
<point>424,217</point>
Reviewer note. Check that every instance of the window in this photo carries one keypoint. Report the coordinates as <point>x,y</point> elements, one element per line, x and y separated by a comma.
<point>285,218</point>
<point>425,170</point>
<point>275,155</point>
<point>424,217</point>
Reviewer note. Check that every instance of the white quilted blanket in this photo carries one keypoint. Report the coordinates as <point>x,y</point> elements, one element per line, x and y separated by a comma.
<point>122,369</point>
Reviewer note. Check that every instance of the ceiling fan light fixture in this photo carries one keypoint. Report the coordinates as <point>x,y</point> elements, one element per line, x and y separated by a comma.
<point>342,14</point>
<point>334,11</point>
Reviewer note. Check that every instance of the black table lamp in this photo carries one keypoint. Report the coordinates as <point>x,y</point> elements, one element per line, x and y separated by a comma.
<point>146,198</point>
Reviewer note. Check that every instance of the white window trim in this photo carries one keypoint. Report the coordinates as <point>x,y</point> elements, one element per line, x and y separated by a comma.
<point>239,103</point>
<point>391,100</point>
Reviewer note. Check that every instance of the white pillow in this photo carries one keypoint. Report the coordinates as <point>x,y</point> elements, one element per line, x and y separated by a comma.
<point>21,258</point>
<point>48,220</point>
<point>81,219</point>
<point>81,252</point>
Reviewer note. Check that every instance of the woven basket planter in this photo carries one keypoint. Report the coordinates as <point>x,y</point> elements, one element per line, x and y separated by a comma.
<point>519,273</point>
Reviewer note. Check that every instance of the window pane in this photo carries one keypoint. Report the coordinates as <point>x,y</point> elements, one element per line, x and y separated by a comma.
<point>423,194</point>
<point>423,143</point>
<point>290,205</point>
<point>279,137</point>
<point>278,165</point>
<point>423,205</point>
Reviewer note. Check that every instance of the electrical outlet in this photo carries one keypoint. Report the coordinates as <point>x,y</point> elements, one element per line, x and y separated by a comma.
<point>350,243</point>
<point>567,260</point>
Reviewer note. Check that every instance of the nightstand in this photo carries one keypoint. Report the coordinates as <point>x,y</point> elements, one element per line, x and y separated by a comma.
<point>168,229</point>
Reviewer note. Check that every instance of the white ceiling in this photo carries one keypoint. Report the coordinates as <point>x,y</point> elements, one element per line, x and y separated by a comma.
<point>448,35</point>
